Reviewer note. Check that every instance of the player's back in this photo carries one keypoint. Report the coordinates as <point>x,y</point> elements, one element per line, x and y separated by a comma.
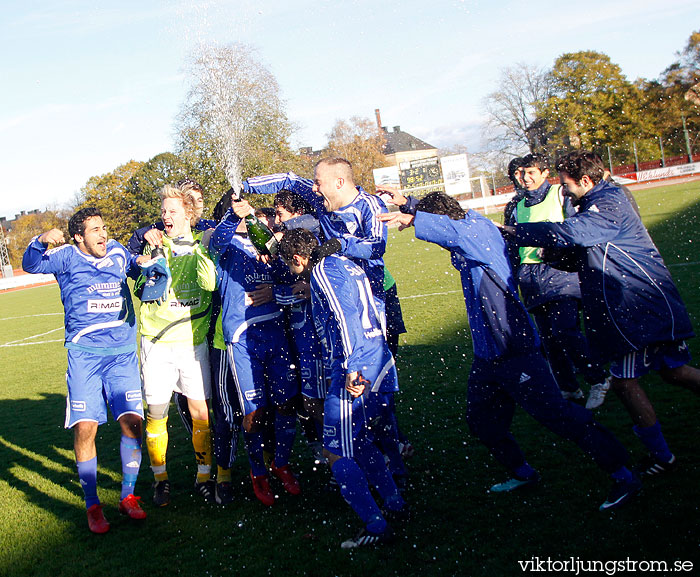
<point>348,322</point>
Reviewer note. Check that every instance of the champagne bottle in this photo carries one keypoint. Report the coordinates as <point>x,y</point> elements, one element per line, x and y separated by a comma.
<point>261,236</point>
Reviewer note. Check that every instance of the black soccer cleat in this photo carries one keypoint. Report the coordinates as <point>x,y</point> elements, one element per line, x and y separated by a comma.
<point>366,538</point>
<point>650,467</point>
<point>161,493</point>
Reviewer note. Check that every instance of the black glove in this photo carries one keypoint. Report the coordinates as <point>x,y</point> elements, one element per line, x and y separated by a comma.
<point>326,249</point>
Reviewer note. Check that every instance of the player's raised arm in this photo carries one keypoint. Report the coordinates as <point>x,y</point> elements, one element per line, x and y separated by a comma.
<point>37,260</point>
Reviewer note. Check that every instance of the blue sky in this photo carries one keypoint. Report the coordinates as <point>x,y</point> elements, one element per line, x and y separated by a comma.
<point>87,86</point>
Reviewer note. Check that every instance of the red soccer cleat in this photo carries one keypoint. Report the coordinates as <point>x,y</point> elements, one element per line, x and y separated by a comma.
<point>96,519</point>
<point>130,506</point>
<point>261,487</point>
<point>289,481</point>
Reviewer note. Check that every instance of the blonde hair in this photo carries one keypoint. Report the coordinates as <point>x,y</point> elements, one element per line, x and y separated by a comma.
<point>171,191</point>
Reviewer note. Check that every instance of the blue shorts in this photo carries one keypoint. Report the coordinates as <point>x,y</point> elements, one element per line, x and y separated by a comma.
<point>347,420</point>
<point>94,381</point>
<point>313,376</point>
<point>655,357</point>
<point>306,348</point>
<point>261,367</point>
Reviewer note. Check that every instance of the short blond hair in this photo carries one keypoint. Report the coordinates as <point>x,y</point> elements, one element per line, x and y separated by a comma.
<point>172,191</point>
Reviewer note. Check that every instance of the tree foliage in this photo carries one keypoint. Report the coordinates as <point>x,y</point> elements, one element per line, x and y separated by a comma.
<point>28,226</point>
<point>360,141</point>
<point>586,101</point>
<point>592,103</point>
<point>116,199</point>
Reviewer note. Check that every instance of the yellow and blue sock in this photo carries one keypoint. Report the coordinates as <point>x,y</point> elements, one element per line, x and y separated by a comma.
<point>130,451</point>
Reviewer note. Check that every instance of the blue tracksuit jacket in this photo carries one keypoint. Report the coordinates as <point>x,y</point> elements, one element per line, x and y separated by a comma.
<point>629,298</point>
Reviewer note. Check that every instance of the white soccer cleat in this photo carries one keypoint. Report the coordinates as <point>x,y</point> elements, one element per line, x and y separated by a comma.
<point>597,394</point>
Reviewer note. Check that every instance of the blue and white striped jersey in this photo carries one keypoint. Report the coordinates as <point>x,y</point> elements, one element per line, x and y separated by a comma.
<point>362,236</point>
<point>240,272</point>
<point>348,323</point>
<point>99,314</point>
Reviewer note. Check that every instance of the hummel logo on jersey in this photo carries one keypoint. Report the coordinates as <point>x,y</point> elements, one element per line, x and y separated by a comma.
<point>78,406</point>
<point>524,377</point>
<point>133,395</point>
<point>105,263</point>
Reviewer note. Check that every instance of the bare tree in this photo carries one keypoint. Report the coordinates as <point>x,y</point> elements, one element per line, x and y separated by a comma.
<point>512,108</point>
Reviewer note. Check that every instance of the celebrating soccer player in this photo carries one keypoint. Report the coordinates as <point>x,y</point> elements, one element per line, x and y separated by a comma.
<point>508,368</point>
<point>101,342</point>
<point>362,378</point>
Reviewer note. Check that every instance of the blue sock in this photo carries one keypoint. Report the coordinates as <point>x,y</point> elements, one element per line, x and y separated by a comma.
<point>623,474</point>
<point>87,473</point>
<point>130,451</point>
<point>653,439</point>
<point>525,471</point>
<point>354,489</point>
<point>389,444</point>
<point>372,462</point>
<point>254,444</point>
<point>285,433</point>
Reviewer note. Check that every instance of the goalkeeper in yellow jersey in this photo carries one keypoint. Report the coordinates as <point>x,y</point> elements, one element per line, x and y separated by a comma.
<point>174,349</point>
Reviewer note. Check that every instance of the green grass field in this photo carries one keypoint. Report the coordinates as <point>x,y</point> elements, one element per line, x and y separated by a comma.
<point>457,527</point>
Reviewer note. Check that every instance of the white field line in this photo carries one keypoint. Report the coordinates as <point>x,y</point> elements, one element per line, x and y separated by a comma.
<point>30,316</point>
<point>22,343</point>
<point>428,295</point>
<point>683,264</point>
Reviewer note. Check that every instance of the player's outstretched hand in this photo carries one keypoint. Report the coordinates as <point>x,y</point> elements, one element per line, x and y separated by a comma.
<point>53,236</point>
<point>391,195</point>
<point>403,220</point>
